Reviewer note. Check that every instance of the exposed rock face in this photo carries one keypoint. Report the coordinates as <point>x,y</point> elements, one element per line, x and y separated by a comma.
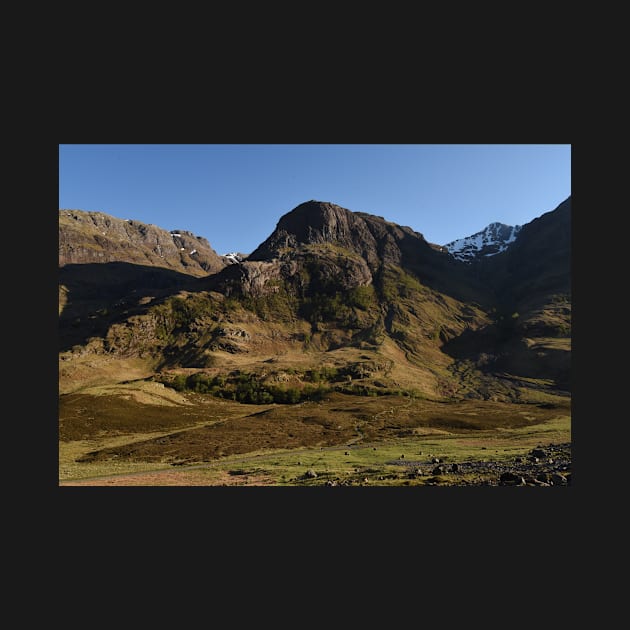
<point>95,237</point>
<point>371,242</point>
<point>251,278</point>
<point>316,222</point>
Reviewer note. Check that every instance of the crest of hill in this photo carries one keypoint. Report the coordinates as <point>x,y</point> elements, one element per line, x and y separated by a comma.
<point>377,242</point>
<point>96,237</point>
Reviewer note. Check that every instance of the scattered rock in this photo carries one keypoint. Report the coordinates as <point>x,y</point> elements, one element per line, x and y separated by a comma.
<point>454,468</point>
<point>434,480</point>
<point>435,460</point>
<point>402,457</point>
<point>538,452</point>
<point>310,473</point>
<point>518,460</point>
<point>347,453</point>
<point>511,479</point>
<point>438,470</point>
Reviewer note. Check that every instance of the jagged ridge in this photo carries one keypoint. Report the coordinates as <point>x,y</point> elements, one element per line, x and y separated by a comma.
<point>96,237</point>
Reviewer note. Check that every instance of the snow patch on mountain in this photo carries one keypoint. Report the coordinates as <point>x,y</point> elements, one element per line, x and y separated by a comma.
<point>490,241</point>
<point>233,258</point>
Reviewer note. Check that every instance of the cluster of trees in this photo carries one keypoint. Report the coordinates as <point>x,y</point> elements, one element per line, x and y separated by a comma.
<point>246,388</point>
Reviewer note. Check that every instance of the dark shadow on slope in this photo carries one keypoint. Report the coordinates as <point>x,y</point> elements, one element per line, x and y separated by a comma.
<point>98,295</point>
<point>495,351</point>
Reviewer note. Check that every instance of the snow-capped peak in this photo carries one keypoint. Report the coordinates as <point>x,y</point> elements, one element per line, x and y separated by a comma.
<point>492,240</point>
<point>233,258</point>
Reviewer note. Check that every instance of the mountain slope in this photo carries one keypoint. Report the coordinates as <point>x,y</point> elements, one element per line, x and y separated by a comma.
<point>531,280</point>
<point>95,237</point>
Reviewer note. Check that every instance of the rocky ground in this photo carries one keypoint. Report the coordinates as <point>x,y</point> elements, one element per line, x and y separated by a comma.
<point>543,466</point>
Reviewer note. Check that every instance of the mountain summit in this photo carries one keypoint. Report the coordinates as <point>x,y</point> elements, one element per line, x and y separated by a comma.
<point>490,241</point>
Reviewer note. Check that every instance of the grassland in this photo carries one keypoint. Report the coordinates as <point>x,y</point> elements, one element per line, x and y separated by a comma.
<point>142,433</point>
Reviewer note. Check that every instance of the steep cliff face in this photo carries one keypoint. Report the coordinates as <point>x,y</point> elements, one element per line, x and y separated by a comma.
<point>373,238</point>
<point>95,237</point>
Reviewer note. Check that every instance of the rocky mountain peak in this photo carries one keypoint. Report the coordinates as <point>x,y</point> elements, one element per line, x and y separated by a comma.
<point>315,222</point>
<point>492,240</point>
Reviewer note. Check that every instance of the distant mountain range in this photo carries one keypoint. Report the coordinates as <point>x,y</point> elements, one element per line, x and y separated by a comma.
<point>480,317</point>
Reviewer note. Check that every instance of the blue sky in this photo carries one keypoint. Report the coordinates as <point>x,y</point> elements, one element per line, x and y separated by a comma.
<point>234,195</point>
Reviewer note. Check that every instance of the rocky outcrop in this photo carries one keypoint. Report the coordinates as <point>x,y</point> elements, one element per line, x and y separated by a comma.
<point>318,222</point>
<point>373,238</point>
<point>96,237</point>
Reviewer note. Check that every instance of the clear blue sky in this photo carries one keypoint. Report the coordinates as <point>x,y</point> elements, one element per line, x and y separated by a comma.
<point>234,195</point>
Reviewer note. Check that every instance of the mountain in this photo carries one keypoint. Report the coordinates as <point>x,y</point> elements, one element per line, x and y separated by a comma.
<point>368,301</point>
<point>106,263</point>
<point>492,240</point>
<point>368,245</point>
<point>531,284</point>
<point>95,237</point>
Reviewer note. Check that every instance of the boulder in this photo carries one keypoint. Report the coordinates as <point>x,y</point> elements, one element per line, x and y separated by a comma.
<point>511,479</point>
